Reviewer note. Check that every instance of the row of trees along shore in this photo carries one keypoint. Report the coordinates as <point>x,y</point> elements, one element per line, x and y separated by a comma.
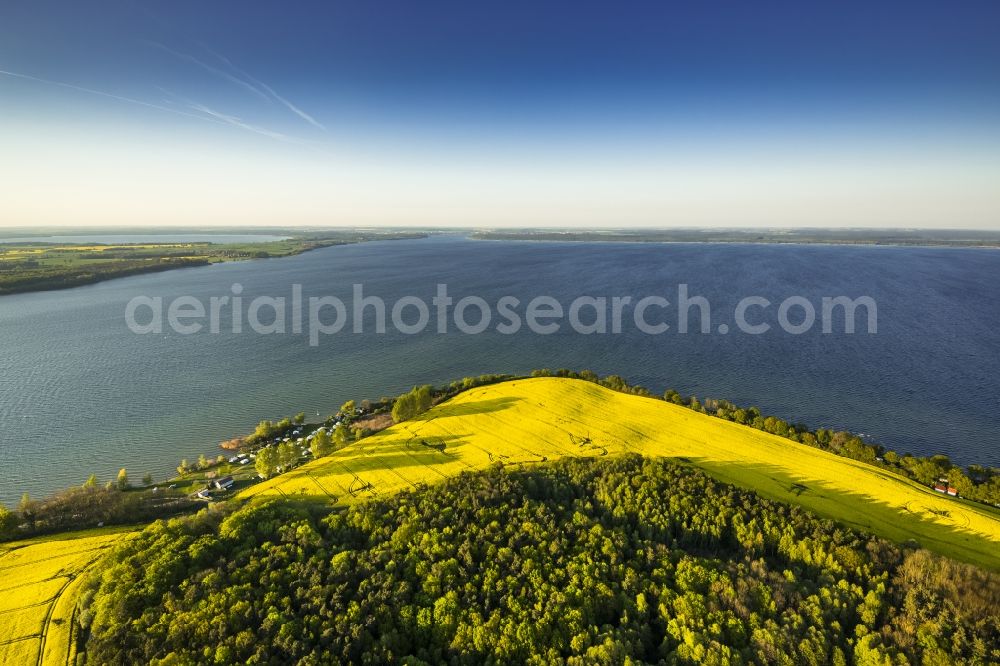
<point>90,503</point>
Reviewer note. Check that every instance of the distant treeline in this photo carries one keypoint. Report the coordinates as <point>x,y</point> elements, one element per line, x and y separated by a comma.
<point>921,237</point>
<point>47,276</point>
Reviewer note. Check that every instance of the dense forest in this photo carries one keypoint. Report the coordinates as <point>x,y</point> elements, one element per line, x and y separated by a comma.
<point>621,560</point>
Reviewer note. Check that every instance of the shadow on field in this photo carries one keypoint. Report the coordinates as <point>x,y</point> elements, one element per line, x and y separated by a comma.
<point>301,504</point>
<point>468,408</point>
<point>404,450</point>
<point>945,532</point>
<point>386,467</point>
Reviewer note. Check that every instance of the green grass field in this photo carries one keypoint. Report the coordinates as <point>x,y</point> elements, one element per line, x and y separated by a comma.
<point>529,421</point>
<point>39,582</point>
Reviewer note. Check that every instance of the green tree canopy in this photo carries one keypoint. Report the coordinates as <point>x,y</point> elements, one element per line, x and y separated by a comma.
<point>267,463</point>
<point>611,561</point>
<point>8,522</point>
<point>417,401</point>
<point>321,445</point>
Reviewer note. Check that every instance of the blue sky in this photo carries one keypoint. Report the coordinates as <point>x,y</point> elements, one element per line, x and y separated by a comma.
<point>488,114</point>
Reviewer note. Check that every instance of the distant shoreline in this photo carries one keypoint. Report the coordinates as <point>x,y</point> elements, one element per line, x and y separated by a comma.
<point>982,241</point>
<point>44,266</point>
<point>27,267</point>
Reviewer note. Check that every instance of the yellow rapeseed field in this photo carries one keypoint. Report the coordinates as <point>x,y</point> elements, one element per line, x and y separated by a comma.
<point>529,421</point>
<point>39,581</point>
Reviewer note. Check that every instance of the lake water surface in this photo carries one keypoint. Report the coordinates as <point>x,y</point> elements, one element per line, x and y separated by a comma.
<point>81,394</point>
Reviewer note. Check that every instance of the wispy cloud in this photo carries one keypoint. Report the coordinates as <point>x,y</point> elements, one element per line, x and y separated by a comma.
<point>235,121</point>
<point>226,118</point>
<point>194,109</point>
<point>269,90</point>
<point>294,109</point>
<point>93,91</point>
<point>242,79</point>
<point>210,69</point>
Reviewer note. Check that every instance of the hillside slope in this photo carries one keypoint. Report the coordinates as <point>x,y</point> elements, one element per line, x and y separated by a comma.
<point>532,420</point>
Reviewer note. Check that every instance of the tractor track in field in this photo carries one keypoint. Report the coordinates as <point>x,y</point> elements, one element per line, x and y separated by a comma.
<point>30,583</point>
<point>11,641</point>
<point>538,457</point>
<point>362,486</point>
<point>457,458</point>
<point>45,602</point>
<point>321,486</point>
<point>72,635</point>
<point>11,550</point>
<point>48,619</point>
<point>54,557</point>
<point>303,473</point>
<point>52,606</point>
<point>402,478</point>
<point>409,452</point>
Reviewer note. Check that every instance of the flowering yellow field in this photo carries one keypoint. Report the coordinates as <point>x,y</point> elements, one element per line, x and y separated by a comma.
<point>39,580</point>
<point>533,420</point>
